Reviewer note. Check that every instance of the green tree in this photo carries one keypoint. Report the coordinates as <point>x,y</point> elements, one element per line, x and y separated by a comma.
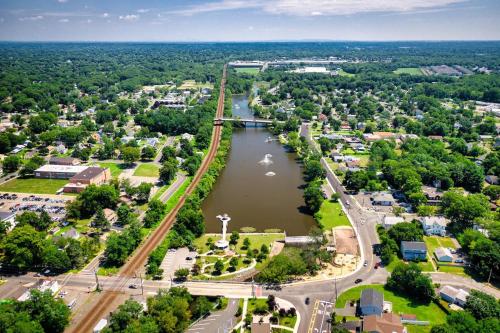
<point>168,170</point>
<point>233,239</point>
<point>11,163</point>
<point>124,215</point>
<point>52,314</point>
<point>148,153</point>
<point>313,196</point>
<point>218,266</point>
<point>482,305</point>
<point>130,154</point>
<point>100,221</point>
<point>181,274</point>
<point>409,280</point>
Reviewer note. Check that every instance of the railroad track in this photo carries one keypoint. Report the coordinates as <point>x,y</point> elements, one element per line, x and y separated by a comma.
<point>140,255</point>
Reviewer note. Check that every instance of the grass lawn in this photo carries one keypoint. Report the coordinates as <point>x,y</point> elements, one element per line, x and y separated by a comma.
<point>344,73</point>
<point>430,312</point>
<point>409,70</point>
<point>33,185</point>
<point>426,266</point>
<point>247,70</point>
<point>256,241</point>
<point>176,196</point>
<point>332,215</point>
<point>115,168</point>
<point>458,270</point>
<point>147,170</point>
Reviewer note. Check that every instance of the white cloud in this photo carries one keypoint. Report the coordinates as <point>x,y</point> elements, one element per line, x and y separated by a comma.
<point>31,18</point>
<point>105,15</point>
<point>129,17</point>
<point>62,1</point>
<point>317,7</point>
<point>89,21</point>
<point>64,20</point>
<point>143,10</point>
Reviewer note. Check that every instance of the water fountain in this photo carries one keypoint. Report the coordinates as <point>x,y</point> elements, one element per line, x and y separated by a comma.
<point>267,160</point>
<point>223,243</point>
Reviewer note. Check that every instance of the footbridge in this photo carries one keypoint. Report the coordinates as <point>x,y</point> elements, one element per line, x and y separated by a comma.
<point>246,121</point>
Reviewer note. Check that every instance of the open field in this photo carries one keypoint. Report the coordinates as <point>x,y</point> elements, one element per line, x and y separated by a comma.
<point>33,185</point>
<point>344,73</point>
<point>332,215</point>
<point>256,241</point>
<point>409,70</point>
<point>192,84</point>
<point>248,70</point>
<point>426,266</point>
<point>115,168</point>
<point>430,312</point>
<point>147,170</point>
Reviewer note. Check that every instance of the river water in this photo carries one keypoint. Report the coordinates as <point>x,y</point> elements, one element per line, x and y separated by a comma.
<point>256,191</point>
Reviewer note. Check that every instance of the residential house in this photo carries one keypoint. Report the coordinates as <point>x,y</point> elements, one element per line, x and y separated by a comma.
<point>434,225</point>
<point>187,136</point>
<point>336,156</point>
<point>61,149</point>
<point>371,302</point>
<point>384,323</point>
<point>71,233</point>
<point>382,199</point>
<point>390,221</point>
<point>9,218</point>
<point>110,215</point>
<point>413,250</point>
<point>491,179</point>
<point>454,295</point>
<point>153,142</point>
<point>63,161</point>
<point>433,195</point>
<point>443,254</point>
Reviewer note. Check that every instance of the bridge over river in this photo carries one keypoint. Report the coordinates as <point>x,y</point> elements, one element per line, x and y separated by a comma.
<point>245,121</point>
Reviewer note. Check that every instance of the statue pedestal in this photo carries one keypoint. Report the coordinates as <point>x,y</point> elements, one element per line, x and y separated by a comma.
<point>222,244</point>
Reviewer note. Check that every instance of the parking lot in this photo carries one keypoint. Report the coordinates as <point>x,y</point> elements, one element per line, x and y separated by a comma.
<point>18,203</point>
<point>176,259</point>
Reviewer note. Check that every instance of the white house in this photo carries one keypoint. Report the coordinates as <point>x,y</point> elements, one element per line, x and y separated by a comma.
<point>9,219</point>
<point>390,221</point>
<point>434,225</point>
<point>443,254</point>
<point>453,295</point>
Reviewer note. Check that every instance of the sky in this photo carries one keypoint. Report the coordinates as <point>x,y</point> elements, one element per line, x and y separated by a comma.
<point>248,20</point>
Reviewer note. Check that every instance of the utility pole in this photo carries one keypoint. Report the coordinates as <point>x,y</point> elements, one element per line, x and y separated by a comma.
<point>142,284</point>
<point>98,287</point>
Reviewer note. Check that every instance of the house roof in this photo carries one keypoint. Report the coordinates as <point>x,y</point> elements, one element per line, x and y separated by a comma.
<point>431,220</point>
<point>386,323</point>
<point>62,160</point>
<point>381,196</point>
<point>414,246</point>
<point>371,297</point>
<point>87,174</point>
<point>6,215</point>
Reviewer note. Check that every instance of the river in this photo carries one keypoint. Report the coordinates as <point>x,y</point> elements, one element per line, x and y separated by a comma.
<point>256,191</point>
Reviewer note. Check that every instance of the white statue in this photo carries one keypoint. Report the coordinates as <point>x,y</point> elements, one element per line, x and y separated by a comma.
<point>223,243</point>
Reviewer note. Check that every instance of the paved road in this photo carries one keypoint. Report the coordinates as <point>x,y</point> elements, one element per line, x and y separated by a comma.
<point>219,321</point>
<point>173,187</point>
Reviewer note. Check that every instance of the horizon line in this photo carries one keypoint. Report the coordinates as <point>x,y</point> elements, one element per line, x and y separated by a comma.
<point>256,41</point>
